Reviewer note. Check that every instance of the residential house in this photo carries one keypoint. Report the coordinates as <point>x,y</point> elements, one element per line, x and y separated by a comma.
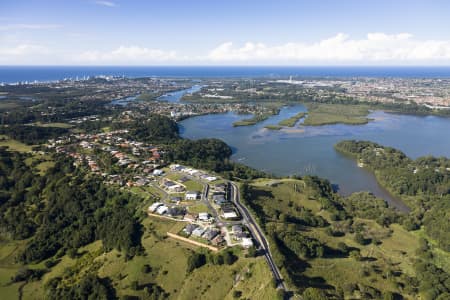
<point>236,229</point>
<point>209,234</point>
<point>218,240</point>
<point>154,206</point>
<point>191,195</point>
<point>203,216</point>
<point>158,172</point>
<point>189,228</point>
<point>175,188</point>
<point>198,232</point>
<point>228,212</point>
<point>247,242</point>
<point>219,198</point>
<point>162,209</point>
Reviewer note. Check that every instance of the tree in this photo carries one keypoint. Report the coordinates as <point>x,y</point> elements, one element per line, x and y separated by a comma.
<point>251,251</point>
<point>196,260</point>
<point>237,294</point>
<point>229,258</point>
<point>359,238</point>
<point>281,294</point>
<point>146,269</point>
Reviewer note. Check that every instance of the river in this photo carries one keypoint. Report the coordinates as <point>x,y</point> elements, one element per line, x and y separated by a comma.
<point>309,149</point>
<point>177,95</point>
<point>173,97</point>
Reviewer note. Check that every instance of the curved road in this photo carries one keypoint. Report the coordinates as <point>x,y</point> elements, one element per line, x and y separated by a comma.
<point>258,235</point>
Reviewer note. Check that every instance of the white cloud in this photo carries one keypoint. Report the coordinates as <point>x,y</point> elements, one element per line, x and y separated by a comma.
<point>29,54</point>
<point>339,49</point>
<point>28,26</point>
<point>128,55</point>
<point>106,3</point>
<point>23,50</point>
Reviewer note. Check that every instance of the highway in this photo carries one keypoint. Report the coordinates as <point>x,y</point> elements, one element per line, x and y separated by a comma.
<point>258,235</point>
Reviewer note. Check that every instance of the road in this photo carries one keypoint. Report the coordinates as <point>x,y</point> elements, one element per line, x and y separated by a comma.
<point>258,235</point>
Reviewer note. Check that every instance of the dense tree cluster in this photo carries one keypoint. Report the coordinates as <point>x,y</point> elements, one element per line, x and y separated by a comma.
<point>365,205</point>
<point>89,287</point>
<point>30,135</point>
<point>210,154</point>
<point>432,281</point>
<point>302,246</point>
<point>18,189</point>
<point>154,129</point>
<point>62,210</point>
<point>54,108</point>
<point>423,183</point>
<point>199,259</point>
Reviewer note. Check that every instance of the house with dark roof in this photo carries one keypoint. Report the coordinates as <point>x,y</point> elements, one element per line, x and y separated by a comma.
<point>189,228</point>
<point>209,234</point>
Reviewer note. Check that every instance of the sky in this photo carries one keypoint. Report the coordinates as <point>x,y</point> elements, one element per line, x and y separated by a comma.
<point>228,32</point>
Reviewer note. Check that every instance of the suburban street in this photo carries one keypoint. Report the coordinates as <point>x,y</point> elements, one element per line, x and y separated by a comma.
<point>258,235</point>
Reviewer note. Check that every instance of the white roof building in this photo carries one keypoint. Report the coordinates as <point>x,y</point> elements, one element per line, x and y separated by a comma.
<point>154,206</point>
<point>158,172</point>
<point>203,216</point>
<point>230,215</point>
<point>247,242</point>
<point>191,195</point>
<point>162,209</point>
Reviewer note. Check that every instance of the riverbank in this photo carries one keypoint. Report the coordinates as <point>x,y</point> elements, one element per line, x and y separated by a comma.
<point>318,114</point>
<point>307,150</point>
<point>292,120</point>
<point>262,114</point>
<point>252,121</point>
<point>396,200</point>
<point>422,184</point>
<point>289,122</point>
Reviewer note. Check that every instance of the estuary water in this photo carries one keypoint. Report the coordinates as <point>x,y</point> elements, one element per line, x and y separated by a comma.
<point>177,95</point>
<point>309,149</point>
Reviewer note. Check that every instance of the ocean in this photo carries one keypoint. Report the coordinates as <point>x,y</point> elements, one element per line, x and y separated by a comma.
<point>13,74</point>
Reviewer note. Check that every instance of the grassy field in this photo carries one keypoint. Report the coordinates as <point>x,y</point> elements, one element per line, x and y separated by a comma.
<point>7,105</point>
<point>281,194</point>
<point>44,166</point>
<point>292,120</point>
<point>13,144</point>
<point>9,267</point>
<point>191,185</point>
<point>198,208</point>
<point>394,255</point>
<point>167,259</point>
<point>55,125</point>
<point>322,114</point>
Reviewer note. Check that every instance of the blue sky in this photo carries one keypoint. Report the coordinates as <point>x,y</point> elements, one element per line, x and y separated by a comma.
<point>119,32</point>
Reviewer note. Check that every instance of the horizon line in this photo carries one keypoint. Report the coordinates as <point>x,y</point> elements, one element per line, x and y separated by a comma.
<point>242,66</point>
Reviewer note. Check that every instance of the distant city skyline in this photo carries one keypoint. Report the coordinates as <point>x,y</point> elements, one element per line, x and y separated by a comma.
<point>119,32</point>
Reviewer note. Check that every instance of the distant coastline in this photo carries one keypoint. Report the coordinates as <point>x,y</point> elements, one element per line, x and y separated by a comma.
<point>13,74</point>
